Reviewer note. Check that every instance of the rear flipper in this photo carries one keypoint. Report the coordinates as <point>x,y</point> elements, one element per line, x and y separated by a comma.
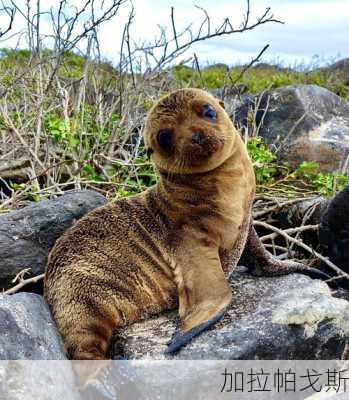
<point>264,264</point>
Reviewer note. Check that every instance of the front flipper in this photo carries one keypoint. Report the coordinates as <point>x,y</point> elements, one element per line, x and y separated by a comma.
<point>180,338</point>
<point>203,290</point>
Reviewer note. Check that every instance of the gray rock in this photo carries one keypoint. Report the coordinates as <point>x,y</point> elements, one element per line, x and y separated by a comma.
<point>27,235</point>
<point>37,380</point>
<point>231,96</point>
<point>28,334</point>
<point>338,70</point>
<point>301,321</point>
<point>27,329</point>
<point>217,66</point>
<point>290,317</point>
<point>341,65</point>
<point>300,122</point>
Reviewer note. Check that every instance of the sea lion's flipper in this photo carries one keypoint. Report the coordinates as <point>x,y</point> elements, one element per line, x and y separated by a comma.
<point>203,290</point>
<point>265,264</point>
<point>180,338</point>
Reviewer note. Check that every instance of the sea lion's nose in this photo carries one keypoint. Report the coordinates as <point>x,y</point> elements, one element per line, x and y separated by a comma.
<point>197,137</point>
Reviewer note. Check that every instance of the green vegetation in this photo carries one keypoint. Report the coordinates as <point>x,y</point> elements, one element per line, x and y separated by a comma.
<point>269,173</point>
<point>264,161</point>
<point>259,79</point>
<point>322,182</point>
<point>81,135</point>
<point>75,136</point>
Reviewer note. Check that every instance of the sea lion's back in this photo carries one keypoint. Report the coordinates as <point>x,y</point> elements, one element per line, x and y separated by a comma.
<point>113,229</point>
<point>92,234</point>
<point>111,262</point>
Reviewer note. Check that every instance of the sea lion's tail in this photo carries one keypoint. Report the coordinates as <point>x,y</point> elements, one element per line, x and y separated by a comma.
<point>263,263</point>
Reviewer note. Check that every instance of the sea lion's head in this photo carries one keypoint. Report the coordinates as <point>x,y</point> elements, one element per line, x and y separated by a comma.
<point>188,131</point>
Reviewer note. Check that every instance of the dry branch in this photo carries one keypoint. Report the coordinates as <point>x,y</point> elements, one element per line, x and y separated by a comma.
<point>22,281</point>
<point>289,231</point>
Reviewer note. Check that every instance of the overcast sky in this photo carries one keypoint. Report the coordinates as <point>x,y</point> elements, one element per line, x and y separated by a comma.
<point>312,29</point>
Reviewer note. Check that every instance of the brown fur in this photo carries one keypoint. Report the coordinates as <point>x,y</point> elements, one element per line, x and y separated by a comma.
<point>169,246</point>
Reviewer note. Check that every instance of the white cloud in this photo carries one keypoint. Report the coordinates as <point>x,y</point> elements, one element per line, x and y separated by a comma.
<point>312,27</point>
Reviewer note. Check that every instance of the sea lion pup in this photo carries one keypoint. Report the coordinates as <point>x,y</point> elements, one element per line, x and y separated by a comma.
<point>170,246</point>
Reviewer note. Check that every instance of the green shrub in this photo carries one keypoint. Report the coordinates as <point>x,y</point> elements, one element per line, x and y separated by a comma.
<point>323,182</point>
<point>269,172</point>
<point>263,161</point>
<point>259,79</point>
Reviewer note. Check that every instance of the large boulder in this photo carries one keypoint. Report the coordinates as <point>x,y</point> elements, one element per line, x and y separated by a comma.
<point>27,329</point>
<point>28,334</point>
<point>27,235</point>
<point>290,317</point>
<point>231,96</point>
<point>341,65</point>
<point>340,69</point>
<point>299,122</point>
<point>272,318</point>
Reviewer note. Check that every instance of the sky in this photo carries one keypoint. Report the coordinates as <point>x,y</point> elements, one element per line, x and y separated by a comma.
<point>314,31</point>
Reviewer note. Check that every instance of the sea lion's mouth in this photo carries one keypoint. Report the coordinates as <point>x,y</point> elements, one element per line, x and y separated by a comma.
<point>196,152</point>
<point>207,147</point>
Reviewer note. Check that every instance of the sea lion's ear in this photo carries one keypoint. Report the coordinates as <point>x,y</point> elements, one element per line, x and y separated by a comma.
<point>149,151</point>
<point>221,102</point>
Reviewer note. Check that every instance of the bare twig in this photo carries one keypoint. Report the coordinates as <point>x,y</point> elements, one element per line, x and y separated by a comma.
<point>288,231</point>
<point>22,281</point>
<point>10,12</point>
<point>164,42</point>
<point>248,66</point>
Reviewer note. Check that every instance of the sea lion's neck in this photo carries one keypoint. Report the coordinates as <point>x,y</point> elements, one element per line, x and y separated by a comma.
<point>202,183</point>
<point>215,190</point>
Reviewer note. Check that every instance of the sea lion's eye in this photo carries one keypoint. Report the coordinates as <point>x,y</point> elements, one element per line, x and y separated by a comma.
<point>164,138</point>
<point>209,112</point>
